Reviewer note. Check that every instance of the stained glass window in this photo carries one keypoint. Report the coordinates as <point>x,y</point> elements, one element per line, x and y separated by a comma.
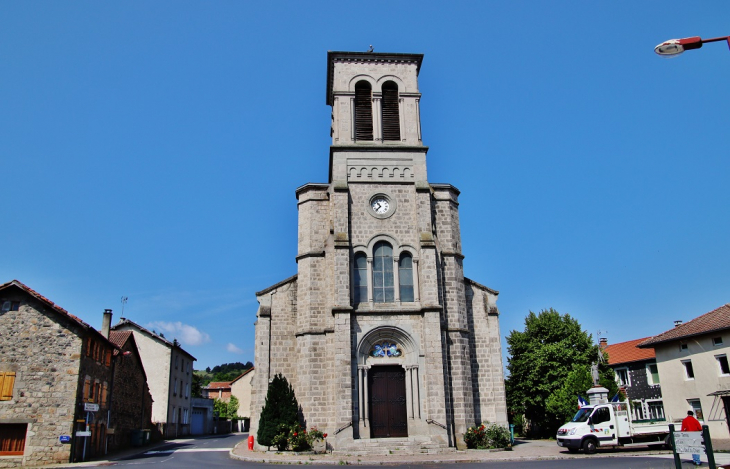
<point>385,349</point>
<point>383,291</point>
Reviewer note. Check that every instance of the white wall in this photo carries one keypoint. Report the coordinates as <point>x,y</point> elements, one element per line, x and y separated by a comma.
<point>677,388</point>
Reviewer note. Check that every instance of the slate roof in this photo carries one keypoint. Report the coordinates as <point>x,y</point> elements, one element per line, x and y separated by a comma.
<point>716,320</point>
<point>627,352</point>
<point>54,307</point>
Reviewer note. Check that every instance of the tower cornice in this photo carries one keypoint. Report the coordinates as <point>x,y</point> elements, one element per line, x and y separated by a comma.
<point>378,57</point>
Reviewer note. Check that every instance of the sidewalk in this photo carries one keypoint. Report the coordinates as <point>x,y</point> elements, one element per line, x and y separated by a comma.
<point>524,450</point>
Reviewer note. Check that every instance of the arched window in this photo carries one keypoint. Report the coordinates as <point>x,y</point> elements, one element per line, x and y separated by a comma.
<point>363,111</point>
<point>383,291</point>
<point>405,276</point>
<point>391,120</point>
<point>360,279</point>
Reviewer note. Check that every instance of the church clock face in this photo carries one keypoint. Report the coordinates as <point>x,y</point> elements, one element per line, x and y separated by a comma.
<point>381,205</point>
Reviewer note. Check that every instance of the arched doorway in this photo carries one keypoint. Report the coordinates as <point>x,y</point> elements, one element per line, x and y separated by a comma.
<point>388,383</point>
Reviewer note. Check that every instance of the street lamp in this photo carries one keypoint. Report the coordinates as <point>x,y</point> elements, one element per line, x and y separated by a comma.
<point>674,47</point>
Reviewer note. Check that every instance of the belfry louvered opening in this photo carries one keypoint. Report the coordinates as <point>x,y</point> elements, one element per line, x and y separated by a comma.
<point>391,119</point>
<point>363,111</point>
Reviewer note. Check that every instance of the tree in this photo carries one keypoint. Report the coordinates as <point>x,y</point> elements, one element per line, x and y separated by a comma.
<point>281,406</point>
<point>233,407</point>
<point>563,403</point>
<point>541,358</point>
<point>226,410</point>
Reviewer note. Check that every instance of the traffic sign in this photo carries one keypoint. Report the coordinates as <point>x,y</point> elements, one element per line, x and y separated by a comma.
<point>89,407</point>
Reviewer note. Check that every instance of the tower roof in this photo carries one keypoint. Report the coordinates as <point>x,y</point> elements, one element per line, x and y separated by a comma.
<point>383,57</point>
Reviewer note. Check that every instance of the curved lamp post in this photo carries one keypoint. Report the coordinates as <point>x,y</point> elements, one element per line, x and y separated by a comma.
<point>674,47</point>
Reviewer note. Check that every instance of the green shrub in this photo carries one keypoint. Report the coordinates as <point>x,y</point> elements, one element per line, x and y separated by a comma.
<point>281,408</point>
<point>292,437</point>
<point>483,437</point>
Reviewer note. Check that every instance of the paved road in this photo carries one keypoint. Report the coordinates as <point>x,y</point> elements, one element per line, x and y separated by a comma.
<point>201,452</point>
<point>213,452</point>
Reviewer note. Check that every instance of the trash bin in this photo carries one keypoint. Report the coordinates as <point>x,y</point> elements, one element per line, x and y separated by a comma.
<point>136,438</point>
<point>145,437</point>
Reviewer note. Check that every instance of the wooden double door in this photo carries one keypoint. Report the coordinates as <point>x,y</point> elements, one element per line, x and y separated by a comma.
<point>388,407</point>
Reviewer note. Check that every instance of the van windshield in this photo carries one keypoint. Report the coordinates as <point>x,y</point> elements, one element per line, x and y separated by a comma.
<point>582,415</point>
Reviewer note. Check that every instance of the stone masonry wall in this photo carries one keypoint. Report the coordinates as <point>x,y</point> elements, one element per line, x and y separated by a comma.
<point>363,226</point>
<point>132,401</point>
<point>275,350</point>
<point>486,348</point>
<point>44,351</point>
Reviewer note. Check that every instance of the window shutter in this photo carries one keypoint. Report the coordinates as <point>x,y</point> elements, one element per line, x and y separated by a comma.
<point>108,360</point>
<point>7,381</point>
<point>104,394</point>
<point>363,111</point>
<point>12,439</point>
<point>86,389</point>
<point>391,118</point>
<point>88,346</point>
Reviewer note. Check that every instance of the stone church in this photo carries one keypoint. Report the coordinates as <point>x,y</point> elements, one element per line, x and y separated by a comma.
<point>382,337</point>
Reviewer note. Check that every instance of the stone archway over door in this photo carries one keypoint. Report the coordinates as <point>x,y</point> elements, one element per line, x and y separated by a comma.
<point>388,409</point>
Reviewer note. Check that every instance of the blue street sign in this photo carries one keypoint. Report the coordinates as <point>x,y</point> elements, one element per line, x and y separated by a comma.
<point>64,439</point>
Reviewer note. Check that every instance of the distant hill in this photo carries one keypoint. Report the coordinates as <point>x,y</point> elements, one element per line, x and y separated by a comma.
<point>224,372</point>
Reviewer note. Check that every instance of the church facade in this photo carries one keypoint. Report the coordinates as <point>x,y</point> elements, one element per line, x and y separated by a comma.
<point>382,337</point>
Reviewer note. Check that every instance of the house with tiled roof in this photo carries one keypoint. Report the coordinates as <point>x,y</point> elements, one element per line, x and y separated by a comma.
<point>692,360</point>
<point>169,370</point>
<point>217,390</point>
<point>638,376</point>
<point>55,382</point>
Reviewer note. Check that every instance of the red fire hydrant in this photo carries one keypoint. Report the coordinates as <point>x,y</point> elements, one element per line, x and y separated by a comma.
<point>250,442</point>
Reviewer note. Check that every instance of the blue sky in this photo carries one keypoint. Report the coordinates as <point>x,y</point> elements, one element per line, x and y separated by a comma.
<point>152,149</point>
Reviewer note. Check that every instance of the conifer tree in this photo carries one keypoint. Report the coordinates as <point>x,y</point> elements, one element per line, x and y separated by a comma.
<point>281,407</point>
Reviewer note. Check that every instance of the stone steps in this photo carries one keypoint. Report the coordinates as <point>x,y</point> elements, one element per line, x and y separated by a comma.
<point>385,446</point>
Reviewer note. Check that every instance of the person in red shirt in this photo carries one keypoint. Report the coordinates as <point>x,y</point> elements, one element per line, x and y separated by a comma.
<point>691,424</point>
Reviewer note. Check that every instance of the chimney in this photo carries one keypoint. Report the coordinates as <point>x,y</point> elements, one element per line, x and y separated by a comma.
<point>106,323</point>
<point>677,323</point>
<point>603,342</point>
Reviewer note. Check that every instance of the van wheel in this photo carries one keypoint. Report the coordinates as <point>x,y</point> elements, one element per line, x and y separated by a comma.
<point>589,446</point>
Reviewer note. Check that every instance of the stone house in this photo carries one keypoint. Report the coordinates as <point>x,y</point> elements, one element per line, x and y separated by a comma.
<point>131,399</point>
<point>55,377</point>
<point>169,370</point>
<point>637,374</point>
<point>385,341</point>
<point>692,360</point>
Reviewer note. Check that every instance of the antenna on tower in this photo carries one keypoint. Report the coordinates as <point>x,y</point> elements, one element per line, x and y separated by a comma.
<point>124,302</point>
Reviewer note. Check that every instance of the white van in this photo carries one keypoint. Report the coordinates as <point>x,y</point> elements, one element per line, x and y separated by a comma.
<point>610,424</point>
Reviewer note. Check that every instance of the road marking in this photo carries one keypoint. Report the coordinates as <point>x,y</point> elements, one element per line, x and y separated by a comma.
<point>187,450</point>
